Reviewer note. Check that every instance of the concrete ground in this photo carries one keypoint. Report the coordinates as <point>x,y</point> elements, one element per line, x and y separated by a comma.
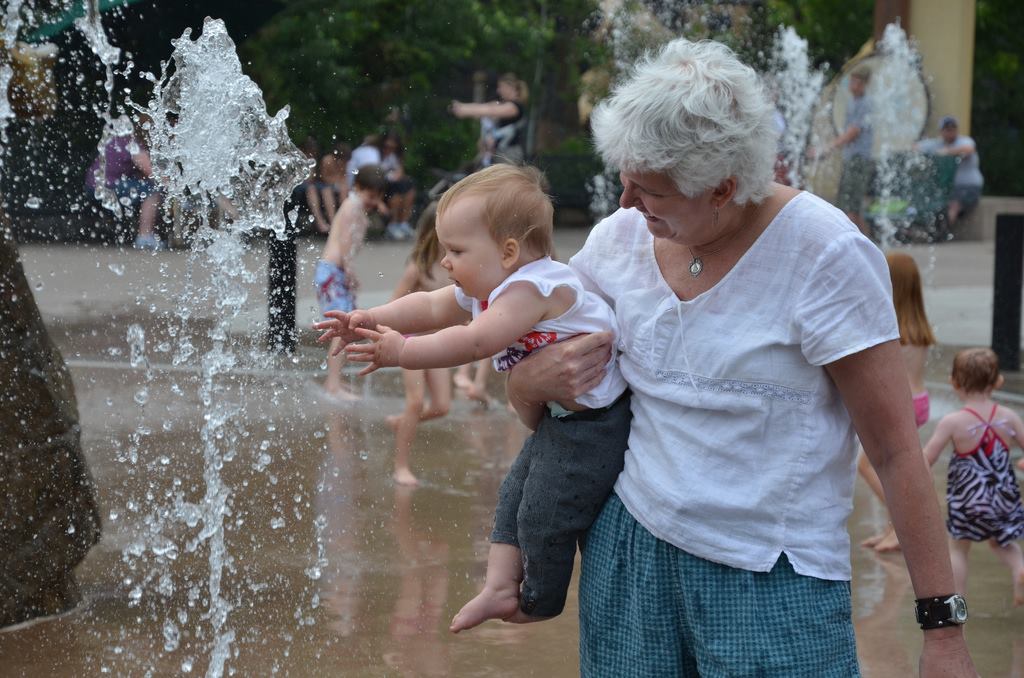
<point>310,486</point>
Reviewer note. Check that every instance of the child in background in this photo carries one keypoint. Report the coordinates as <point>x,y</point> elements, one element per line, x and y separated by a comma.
<point>981,491</point>
<point>916,338</point>
<point>334,279</point>
<point>496,228</point>
<point>474,387</point>
<point>423,273</point>
<point>333,184</point>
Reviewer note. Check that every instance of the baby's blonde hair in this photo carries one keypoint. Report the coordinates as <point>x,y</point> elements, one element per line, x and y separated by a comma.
<point>515,205</point>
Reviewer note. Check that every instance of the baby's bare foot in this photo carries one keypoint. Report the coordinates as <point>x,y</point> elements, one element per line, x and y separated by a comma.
<point>404,476</point>
<point>488,604</point>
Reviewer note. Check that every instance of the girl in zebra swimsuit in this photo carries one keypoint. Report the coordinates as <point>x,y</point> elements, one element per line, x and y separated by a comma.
<point>981,492</point>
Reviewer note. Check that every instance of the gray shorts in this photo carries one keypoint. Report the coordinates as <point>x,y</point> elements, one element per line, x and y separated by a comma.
<point>967,196</point>
<point>554,491</point>
<point>855,184</point>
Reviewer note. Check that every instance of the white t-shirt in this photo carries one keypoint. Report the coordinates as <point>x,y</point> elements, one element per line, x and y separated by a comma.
<point>589,313</point>
<point>740,447</point>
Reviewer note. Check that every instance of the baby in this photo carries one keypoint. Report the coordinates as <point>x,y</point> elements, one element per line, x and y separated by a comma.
<point>496,229</point>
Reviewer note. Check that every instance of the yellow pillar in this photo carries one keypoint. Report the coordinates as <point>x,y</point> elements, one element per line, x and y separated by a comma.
<point>944,30</point>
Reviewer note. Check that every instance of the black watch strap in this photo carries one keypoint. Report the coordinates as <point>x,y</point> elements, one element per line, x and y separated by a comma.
<point>941,611</point>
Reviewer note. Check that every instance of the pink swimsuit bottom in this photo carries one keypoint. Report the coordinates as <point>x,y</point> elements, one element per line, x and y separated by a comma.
<point>921,408</point>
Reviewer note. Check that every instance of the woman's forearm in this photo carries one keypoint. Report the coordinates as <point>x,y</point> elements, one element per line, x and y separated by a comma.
<point>917,519</point>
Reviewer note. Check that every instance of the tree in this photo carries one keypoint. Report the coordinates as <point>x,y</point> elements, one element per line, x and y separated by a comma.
<point>345,68</point>
<point>997,117</point>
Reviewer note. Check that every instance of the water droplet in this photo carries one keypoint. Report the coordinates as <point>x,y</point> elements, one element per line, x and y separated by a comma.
<point>116,267</point>
<point>277,523</point>
<point>38,286</point>
<point>33,203</point>
<point>171,636</point>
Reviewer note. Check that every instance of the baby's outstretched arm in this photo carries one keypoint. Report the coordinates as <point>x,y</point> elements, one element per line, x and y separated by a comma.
<point>509,317</point>
<point>383,349</point>
<point>416,312</point>
<point>343,325</point>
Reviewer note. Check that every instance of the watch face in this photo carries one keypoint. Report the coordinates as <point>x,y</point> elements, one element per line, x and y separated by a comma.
<point>958,609</point>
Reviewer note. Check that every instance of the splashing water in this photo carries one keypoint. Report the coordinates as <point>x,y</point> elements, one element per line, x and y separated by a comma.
<point>796,86</point>
<point>212,139</point>
<point>91,28</point>
<point>9,34</point>
<point>896,126</point>
<point>212,143</point>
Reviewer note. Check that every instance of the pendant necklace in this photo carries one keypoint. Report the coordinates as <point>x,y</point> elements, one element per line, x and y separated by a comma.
<point>696,263</point>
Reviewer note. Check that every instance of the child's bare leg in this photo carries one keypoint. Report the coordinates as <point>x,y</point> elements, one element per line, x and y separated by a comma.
<point>886,538</point>
<point>462,377</point>
<point>405,426</point>
<point>332,383</point>
<point>500,596</point>
<point>439,386</point>
<point>1013,558</point>
<point>474,388</point>
<point>958,550</point>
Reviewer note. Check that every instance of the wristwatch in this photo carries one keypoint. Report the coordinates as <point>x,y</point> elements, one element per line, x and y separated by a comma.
<point>941,611</point>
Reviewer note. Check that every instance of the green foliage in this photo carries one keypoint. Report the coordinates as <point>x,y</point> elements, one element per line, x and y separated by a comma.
<point>997,117</point>
<point>345,66</point>
<point>835,31</point>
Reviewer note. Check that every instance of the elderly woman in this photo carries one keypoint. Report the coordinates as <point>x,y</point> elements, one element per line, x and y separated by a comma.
<point>758,337</point>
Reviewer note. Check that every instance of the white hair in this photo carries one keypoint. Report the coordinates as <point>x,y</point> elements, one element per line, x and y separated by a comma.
<point>694,112</point>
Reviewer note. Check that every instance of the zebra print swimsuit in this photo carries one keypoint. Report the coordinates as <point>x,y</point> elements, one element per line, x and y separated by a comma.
<point>981,491</point>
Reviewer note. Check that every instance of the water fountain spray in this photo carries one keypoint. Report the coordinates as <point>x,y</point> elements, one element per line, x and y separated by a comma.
<point>897,129</point>
<point>212,142</point>
<point>796,86</point>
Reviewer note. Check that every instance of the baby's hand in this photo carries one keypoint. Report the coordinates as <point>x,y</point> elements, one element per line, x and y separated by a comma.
<point>343,325</point>
<point>383,350</point>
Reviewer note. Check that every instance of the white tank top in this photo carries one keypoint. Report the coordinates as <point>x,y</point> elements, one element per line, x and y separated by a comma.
<point>589,313</point>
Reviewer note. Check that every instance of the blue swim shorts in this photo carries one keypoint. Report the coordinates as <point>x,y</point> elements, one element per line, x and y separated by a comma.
<point>332,288</point>
<point>650,609</point>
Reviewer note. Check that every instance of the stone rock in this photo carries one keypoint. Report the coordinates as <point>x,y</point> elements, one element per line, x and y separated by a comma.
<point>48,513</point>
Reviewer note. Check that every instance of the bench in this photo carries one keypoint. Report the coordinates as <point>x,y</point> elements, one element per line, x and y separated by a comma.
<point>980,223</point>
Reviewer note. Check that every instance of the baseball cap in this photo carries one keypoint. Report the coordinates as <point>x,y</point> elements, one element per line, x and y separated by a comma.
<point>947,121</point>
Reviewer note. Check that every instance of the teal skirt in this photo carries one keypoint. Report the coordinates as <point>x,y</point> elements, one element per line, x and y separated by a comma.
<point>650,609</point>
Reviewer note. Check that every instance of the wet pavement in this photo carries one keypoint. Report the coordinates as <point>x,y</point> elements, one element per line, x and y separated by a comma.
<point>331,569</point>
